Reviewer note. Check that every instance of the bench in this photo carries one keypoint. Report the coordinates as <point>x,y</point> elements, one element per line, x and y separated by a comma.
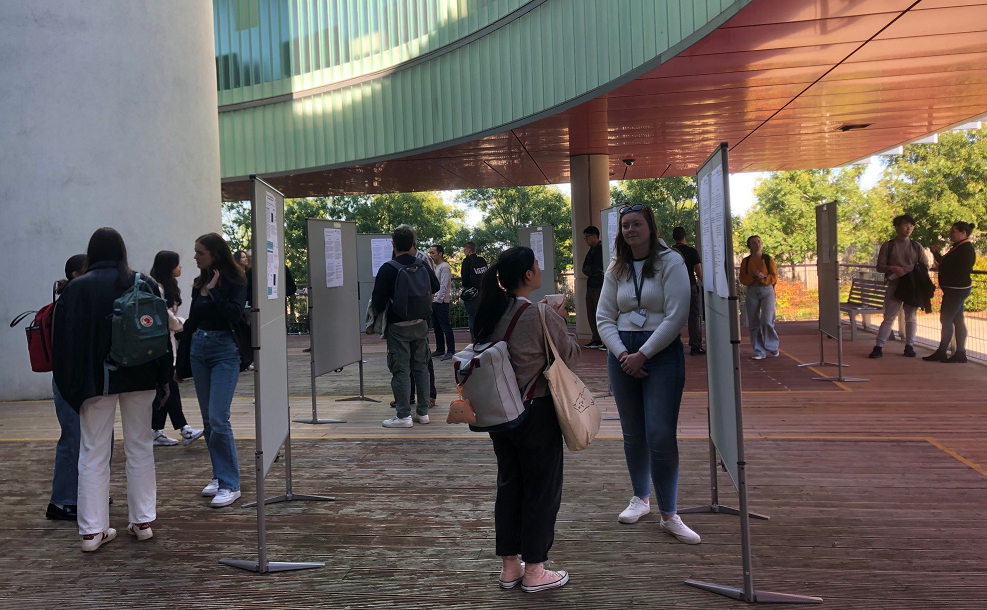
<point>866,298</point>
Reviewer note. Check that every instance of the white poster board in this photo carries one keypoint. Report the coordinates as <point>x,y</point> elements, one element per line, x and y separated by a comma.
<point>269,330</point>
<point>706,234</point>
<point>372,251</point>
<point>334,304</point>
<point>609,227</point>
<point>541,239</point>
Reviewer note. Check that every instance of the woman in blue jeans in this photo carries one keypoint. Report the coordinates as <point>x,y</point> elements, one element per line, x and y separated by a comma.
<point>644,305</point>
<point>218,298</point>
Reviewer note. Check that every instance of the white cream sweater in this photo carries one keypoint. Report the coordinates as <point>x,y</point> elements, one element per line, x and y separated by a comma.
<point>665,296</point>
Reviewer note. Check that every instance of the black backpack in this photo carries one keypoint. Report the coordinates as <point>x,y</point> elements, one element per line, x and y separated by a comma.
<point>412,298</point>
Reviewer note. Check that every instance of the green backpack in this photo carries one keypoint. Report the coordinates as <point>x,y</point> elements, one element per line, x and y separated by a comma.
<point>140,331</point>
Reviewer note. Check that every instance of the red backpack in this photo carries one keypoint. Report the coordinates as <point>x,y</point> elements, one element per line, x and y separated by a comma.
<point>39,336</point>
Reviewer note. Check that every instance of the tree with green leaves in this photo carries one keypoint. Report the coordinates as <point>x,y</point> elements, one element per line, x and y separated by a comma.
<point>506,210</point>
<point>672,200</point>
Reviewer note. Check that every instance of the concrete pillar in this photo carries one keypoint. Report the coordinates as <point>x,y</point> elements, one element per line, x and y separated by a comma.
<point>590,182</point>
<point>109,119</point>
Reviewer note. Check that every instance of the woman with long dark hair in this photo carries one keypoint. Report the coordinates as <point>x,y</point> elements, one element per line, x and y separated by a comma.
<point>644,305</point>
<point>955,268</point>
<point>80,346</point>
<point>529,449</point>
<point>213,358</point>
<point>759,273</point>
<point>166,270</point>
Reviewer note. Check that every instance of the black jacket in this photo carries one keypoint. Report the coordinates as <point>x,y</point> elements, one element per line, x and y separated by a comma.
<point>916,289</point>
<point>472,271</point>
<point>593,267</point>
<point>81,334</point>
<point>956,265</point>
<point>229,300</point>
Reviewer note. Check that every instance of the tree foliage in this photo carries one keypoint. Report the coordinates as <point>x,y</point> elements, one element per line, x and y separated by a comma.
<point>673,201</point>
<point>505,210</point>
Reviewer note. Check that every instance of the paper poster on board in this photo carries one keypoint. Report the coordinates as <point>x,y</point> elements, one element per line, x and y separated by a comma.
<point>707,238</point>
<point>273,260</point>
<point>613,225</point>
<point>538,246</point>
<point>718,228</point>
<point>334,257</point>
<point>381,251</point>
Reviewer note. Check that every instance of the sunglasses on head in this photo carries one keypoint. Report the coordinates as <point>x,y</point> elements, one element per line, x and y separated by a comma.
<point>637,207</point>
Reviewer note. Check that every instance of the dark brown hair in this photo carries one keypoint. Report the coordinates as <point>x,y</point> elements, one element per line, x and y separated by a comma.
<point>162,271</point>
<point>222,261</point>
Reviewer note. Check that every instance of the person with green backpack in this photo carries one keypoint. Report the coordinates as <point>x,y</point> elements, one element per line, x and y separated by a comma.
<point>110,346</point>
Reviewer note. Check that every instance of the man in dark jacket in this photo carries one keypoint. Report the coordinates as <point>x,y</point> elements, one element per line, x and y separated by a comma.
<point>471,273</point>
<point>593,270</point>
<point>407,340</point>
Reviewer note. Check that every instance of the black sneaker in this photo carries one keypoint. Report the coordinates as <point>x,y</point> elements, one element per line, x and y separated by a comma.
<point>437,353</point>
<point>878,352</point>
<point>448,356</point>
<point>910,351</point>
<point>67,513</point>
<point>958,357</point>
<point>935,356</point>
<point>697,351</point>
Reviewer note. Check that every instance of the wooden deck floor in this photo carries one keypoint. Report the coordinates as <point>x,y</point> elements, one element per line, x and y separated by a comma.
<point>877,494</point>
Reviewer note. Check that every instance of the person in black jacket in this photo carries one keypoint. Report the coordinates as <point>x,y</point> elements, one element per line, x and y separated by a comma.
<point>212,357</point>
<point>80,345</point>
<point>471,273</point>
<point>955,268</point>
<point>593,270</point>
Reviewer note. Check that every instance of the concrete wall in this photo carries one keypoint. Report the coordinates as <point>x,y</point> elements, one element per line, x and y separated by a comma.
<point>108,119</point>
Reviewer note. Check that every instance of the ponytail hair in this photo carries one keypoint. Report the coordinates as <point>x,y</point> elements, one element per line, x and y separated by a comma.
<point>497,288</point>
<point>75,264</point>
<point>965,227</point>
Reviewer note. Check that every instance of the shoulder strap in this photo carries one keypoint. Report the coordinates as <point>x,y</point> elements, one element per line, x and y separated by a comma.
<point>517,316</point>
<point>17,320</point>
<point>395,264</point>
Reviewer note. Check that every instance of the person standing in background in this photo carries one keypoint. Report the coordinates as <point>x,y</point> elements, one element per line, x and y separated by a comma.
<point>445,341</point>
<point>471,273</point>
<point>759,273</point>
<point>898,257</point>
<point>593,270</point>
<point>694,265</point>
<point>955,268</point>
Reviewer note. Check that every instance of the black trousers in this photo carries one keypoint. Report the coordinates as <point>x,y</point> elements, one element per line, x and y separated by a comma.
<point>171,408</point>
<point>592,302</point>
<point>529,483</point>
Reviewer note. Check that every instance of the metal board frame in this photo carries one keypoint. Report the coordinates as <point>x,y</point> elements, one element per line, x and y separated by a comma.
<point>548,253</point>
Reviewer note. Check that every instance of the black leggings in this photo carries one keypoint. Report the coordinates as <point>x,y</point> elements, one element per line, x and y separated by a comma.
<point>173,408</point>
<point>529,483</point>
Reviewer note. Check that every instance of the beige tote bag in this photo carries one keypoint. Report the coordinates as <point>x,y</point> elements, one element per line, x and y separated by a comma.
<point>578,414</point>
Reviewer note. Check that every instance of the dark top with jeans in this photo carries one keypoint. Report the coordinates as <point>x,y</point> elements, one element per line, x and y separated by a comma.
<point>691,256</point>
<point>223,306</point>
<point>956,265</point>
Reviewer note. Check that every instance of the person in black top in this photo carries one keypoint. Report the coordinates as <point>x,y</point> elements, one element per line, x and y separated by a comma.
<point>209,352</point>
<point>694,265</point>
<point>471,273</point>
<point>407,340</point>
<point>81,341</point>
<point>954,278</point>
<point>593,270</point>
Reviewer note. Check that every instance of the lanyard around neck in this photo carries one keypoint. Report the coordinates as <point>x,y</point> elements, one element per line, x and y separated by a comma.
<point>637,288</point>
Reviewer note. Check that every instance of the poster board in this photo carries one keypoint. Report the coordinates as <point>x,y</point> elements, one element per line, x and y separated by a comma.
<point>333,293</point>
<point>269,335</point>
<point>609,227</point>
<point>541,239</point>
<point>828,268</point>
<point>372,250</point>
<point>722,317</point>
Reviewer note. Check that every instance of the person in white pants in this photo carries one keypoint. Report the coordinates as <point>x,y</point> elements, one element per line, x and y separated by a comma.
<point>96,419</point>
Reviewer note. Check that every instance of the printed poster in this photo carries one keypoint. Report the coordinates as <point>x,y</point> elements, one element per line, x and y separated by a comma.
<point>273,258</point>
<point>381,251</point>
<point>613,226</point>
<point>334,257</point>
<point>718,228</point>
<point>538,245</point>
<point>706,232</point>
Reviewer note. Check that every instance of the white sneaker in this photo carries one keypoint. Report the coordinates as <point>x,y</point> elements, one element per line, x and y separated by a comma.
<point>210,490</point>
<point>758,357</point>
<point>681,531</point>
<point>224,497</point>
<point>141,530</point>
<point>162,440</point>
<point>634,511</point>
<point>91,542</point>
<point>775,353</point>
<point>189,434</point>
<point>398,422</point>
<point>419,419</point>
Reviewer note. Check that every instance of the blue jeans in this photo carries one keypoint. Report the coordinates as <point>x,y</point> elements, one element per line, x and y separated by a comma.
<point>215,363</point>
<point>649,415</point>
<point>951,315</point>
<point>65,482</point>
<point>445,341</point>
<point>760,301</point>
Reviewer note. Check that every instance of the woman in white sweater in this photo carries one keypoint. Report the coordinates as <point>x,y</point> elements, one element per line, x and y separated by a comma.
<point>643,308</point>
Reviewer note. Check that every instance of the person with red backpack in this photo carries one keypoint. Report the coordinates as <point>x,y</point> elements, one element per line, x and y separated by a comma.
<point>98,320</point>
<point>404,287</point>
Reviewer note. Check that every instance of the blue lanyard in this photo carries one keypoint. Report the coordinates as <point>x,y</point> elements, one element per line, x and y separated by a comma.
<point>637,288</point>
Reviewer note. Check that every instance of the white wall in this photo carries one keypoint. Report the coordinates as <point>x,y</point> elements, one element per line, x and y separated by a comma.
<point>107,118</point>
